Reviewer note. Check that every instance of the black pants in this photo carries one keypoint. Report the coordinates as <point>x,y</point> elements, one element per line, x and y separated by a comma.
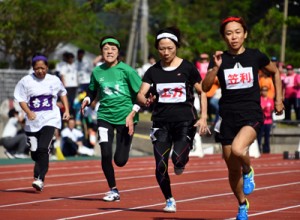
<point>164,135</point>
<point>40,147</point>
<point>123,145</point>
<point>69,147</point>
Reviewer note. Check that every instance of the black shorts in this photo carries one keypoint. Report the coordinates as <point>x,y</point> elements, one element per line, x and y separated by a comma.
<point>173,131</point>
<point>234,120</point>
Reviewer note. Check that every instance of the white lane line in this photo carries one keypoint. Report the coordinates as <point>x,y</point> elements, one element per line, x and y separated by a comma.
<point>128,178</point>
<point>144,188</point>
<point>187,200</point>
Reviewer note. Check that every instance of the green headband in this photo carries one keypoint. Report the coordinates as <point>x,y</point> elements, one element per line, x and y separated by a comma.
<point>111,40</point>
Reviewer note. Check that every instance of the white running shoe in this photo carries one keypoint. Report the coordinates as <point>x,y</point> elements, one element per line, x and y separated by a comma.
<point>38,185</point>
<point>21,156</point>
<point>112,196</point>
<point>83,150</point>
<point>170,205</point>
<point>9,155</point>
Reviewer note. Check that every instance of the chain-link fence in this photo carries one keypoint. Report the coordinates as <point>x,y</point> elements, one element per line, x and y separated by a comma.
<point>8,81</point>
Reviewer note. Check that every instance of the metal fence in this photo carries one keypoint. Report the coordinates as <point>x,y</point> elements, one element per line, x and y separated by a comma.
<point>8,81</point>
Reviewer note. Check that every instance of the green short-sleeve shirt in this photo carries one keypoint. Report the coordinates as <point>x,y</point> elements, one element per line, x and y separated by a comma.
<point>117,88</point>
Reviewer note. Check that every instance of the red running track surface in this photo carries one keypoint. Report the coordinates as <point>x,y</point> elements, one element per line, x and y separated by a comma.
<point>74,190</point>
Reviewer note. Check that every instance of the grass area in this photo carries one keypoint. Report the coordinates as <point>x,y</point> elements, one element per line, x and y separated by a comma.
<point>145,116</point>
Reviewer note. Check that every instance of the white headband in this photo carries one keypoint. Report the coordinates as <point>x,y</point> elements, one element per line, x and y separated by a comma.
<point>167,35</point>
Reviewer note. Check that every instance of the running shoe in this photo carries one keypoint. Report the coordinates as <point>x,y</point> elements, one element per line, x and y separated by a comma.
<point>9,155</point>
<point>112,196</point>
<point>249,183</point>
<point>243,211</point>
<point>178,170</point>
<point>38,185</point>
<point>21,156</point>
<point>170,205</point>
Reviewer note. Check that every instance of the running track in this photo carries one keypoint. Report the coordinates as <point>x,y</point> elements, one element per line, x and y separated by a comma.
<point>74,190</point>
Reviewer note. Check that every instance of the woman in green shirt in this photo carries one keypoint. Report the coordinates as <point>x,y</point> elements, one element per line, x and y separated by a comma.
<point>116,85</point>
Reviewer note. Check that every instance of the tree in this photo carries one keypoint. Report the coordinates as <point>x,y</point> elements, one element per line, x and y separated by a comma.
<point>29,26</point>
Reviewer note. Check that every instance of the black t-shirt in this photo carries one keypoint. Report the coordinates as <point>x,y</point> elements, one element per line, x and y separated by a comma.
<point>174,91</point>
<point>238,77</point>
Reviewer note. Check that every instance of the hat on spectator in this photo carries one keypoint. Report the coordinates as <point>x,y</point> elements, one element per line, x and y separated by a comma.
<point>274,59</point>
<point>204,56</point>
<point>289,67</point>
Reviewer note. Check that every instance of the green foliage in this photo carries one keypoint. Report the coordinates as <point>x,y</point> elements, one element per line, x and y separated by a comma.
<point>39,26</point>
<point>29,26</point>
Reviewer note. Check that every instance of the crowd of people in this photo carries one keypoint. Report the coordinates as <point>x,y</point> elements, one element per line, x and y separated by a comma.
<point>238,90</point>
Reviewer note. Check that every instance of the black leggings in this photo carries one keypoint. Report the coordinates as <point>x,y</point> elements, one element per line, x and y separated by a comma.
<point>163,135</point>
<point>123,145</point>
<point>40,147</point>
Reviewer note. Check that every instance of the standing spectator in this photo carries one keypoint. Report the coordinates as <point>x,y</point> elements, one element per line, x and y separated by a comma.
<point>266,81</point>
<point>116,85</point>
<point>267,105</point>
<point>146,66</point>
<point>13,141</point>
<point>72,141</point>
<point>213,106</point>
<point>84,70</point>
<point>202,64</point>
<point>61,63</point>
<point>174,116</point>
<point>290,93</point>
<point>297,85</point>
<point>37,94</point>
<point>240,112</point>
<point>98,60</point>
<point>68,74</point>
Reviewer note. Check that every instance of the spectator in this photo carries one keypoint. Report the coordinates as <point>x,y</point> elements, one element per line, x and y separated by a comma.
<point>14,142</point>
<point>84,69</point>
<point>290,92</point>
<point>68,74</point>
<point>202,64</point>
<point>60,64</point>
<point>72,141</point>
<point>146,66</point>
<point>98,60</point>
<point>265,80</point>
<point>297,85</point>
<point>267,105</point>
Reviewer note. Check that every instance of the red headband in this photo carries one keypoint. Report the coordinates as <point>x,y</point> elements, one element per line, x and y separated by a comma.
<point>230,19</point>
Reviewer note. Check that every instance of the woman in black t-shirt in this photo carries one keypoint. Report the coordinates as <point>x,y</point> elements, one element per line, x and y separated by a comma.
<point>240,111</point>
<point>174,116</point>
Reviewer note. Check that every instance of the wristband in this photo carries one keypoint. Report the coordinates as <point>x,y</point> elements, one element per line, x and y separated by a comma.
<point>136,108</point>
<point>87,99</point>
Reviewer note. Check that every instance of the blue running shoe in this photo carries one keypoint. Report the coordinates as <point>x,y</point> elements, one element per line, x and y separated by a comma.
<point>249,183</point>
<point>243,212</point>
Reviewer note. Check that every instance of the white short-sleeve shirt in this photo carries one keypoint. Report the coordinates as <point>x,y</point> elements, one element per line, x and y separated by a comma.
<point>41,96</point>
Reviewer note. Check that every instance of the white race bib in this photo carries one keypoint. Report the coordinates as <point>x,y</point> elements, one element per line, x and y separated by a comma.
<point>171,92</point>
<point>239,78</point>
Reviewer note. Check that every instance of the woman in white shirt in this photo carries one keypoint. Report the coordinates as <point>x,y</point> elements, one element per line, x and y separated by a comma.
<point>37,94</point>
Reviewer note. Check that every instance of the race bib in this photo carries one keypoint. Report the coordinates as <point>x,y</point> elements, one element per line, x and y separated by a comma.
<point>239,78</point>
<point>40,103</point>
<point>171,92</point>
